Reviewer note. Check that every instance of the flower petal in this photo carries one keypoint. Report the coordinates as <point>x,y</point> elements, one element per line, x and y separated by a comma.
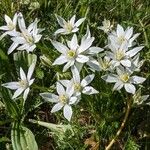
<point>17,93</point>
<point>130,88</point>
<point>60,60</point>
<point>12,48</point>
<point>67,111</point>
<point>134,51</point>
<point>82,59</point>
<point>60,89</point>
<point>74,42</point>
<point>50,97</point>
<point>72,100</point>
<point>120,30</point>
<point>11,85</point>
<point>57,107</point>
<point>25,94</point>
<point>126,63</point>
<point>87,80</point>
<point>75,73</point>
<point>79,22</point>
<point>137,79</point>
<point>68,65</point>
<point>60,47</point>
<point>89,90</point>
<point>118,85</point>
<point>30,71</point>
<point>110,78</point>
<point>22,74</point>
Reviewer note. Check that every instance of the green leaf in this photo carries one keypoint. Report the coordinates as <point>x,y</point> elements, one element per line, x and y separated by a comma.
<point>22,138</point>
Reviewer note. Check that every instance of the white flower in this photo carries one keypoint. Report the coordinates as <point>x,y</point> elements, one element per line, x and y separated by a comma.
<point>123,79</point>
<point>121,55</point>
<point>73,53</point>
<point>121,36</point>
<point>80,86</point>
<point>28,37</point>
<point>68,26</point>
<point>139,99</point>
<point>10,26</point>
<point>23,85</point>
<point>64,100</point>
<point>107,27</point>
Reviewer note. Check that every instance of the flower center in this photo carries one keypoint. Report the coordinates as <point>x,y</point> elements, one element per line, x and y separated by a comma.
<point>124,77</point>
<point>63,99</point>
<point>71,53</point>
<point>23,83</point>
<point>69,27</point>
<point>77,87</point>
<point>121,39</point>
<point>28,37</point>
<point>11,26</point>
<point>119,54</point>
<point>105,64</point>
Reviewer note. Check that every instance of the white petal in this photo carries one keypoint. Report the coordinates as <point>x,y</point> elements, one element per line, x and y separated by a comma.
<point>31,48</point>
<point>37,38</point>
<point>69,90</point>
<point>138,80</point>
<point>62,30</point>
<point>87,80</point>
<point>65,82</point>
<point>79,22</point>
<point>85,44</point>
<point>118,85</point>
<point>129,33</point>
<point>94,64</point>
<point>31,82</point>
<point>110,78</point>
<point>22,74</point>
<point>8,19</point>
<point>25,94</point>
<point>75,73</point>
<point>74,42</point>
<point>82,59</point>
<point>67,111</point>
<point>60,89</point>
<point>50,97</point>
<point>11,85</point>
<point>134,51</point>
<point>21,22</point>
<point>30,71</point>
<point>68,65</point>
<point>120,30</point>
<point>60,20</point>
<point>130,88</point>
<point>60,47</point>
<point>17,92</point>
<point>126,63</point>
<point>19,40</point>
<point>75,29</point>
<point>60,60</point>
<point>5,28</point>
<point>12,48</point>
<point>72,100</point>
<point>89,90</point>
<point>94,50</point>
<point>72,20</point>
<point>133,38</point>
<point>15,19</point>
<point>57,107</point>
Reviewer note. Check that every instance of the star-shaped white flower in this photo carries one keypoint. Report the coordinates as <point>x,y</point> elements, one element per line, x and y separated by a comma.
<point>10,26</point>
<point>80,86</point>
<point>68,26</point>
<point>107,27</point>
<point>121,55</point>
<point>23,85</point>
<point>72,53</point>
<point>64,100</point>
<point>121,36</point>
<point>124,79</point>
<point>28,37</point>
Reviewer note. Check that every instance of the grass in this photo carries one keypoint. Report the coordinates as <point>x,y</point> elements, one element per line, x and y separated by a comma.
<point>96,119</point>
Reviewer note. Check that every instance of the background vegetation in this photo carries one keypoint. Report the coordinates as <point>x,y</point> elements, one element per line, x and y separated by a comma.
<point>96,119</point>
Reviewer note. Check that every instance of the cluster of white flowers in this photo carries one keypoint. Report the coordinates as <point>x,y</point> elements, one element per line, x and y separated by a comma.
<point>120,60</point>
<point>26,38</point>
